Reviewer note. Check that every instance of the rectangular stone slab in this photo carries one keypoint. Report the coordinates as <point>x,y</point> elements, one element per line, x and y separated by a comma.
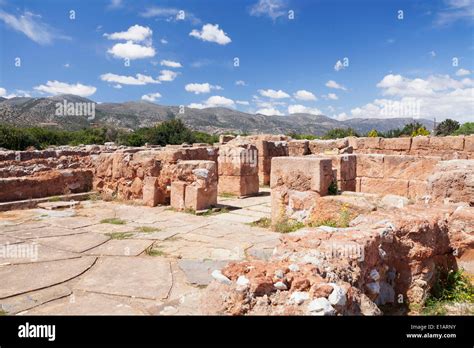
<point>141,277</point>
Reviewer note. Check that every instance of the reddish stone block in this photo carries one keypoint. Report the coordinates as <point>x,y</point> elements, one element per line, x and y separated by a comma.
<point>200,198</point>
<point>409,167</point>
<point>370,166</point>
<point>239,185</point>
<point>384,186</point>
<point>178,190</point>
<point>396,143</point>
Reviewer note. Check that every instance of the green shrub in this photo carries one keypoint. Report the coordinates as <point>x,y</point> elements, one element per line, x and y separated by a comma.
<point>337,133</point>
<point>466,129</point>
<point>446,127</point>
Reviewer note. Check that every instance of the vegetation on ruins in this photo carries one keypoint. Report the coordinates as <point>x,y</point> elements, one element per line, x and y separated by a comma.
<point>147,229</point>
<point>119,235</point>
<point>113,221</point>
<point>452,287</point>
<point>262,222</point>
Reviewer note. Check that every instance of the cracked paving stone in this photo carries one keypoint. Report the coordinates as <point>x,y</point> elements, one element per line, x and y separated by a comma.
<point>141,277</point>
<point>86,304</point>
<point>23,302</point>
<point>121,247</point>
<point>198,272</point>
<point>48,231</point>
<point>76,243</point>
<point>18,279</point>
<point>33,252</point>
<point>73,222</point>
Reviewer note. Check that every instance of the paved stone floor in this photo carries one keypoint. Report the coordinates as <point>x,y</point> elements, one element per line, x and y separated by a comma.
<point>157,261</point>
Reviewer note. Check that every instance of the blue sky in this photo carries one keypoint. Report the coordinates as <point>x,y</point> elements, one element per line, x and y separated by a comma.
<point>341,58</point>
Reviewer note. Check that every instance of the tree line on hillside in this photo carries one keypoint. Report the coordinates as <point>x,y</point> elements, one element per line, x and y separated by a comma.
<point>175,132</point>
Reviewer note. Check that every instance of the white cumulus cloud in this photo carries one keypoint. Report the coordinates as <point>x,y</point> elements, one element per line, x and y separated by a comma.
<point>136,33</point>
<point>273,94</point>
<point>200,88</point>
<point>270,112</point>
<point>335,85</point>
<point>167,75</point>
<point>56,87</point>
<point>304,95</point>
<point>151,97</point>
<point>137,80</point>
<point>463,72</point>
<point>211,33</point>
<point>131,51</point>
<point>171,64</point>
<point>214,101</point>
<point>301,109</point>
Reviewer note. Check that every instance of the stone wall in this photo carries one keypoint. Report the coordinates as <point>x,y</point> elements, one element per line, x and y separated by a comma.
<point>127,175</point>
<point>402,175</point>
<point>450,147</point>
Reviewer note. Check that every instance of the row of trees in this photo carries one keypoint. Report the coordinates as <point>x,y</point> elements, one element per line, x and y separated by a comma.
<point>176,132</point>
<point>169,132</point>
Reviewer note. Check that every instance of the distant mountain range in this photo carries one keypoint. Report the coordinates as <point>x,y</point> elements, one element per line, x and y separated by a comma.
<point>23,111</point>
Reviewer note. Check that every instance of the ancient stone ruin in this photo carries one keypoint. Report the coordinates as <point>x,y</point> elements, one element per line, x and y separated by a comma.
<point>368,222</point>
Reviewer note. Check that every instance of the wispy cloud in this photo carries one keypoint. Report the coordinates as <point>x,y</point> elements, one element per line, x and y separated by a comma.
<point>32,26</point>
<point>170,14</point>
<point>269,8</point>
<point>455,10</point>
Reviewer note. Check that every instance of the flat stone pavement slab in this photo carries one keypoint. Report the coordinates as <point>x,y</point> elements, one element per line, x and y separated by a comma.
<point>235,218</point>
<point>121,247</point>
<point>85,304</point>
<point>18,279</point>
<point>29,252</point>
<point>73,222</point>
<point>23,302</point>
<point>199,271</point>
<point>25,226</point>
<point>141,277</point>
<point>76,243</point>
<point>47,231</point>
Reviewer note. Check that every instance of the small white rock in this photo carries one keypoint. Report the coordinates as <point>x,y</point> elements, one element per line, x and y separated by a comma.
<point>337,296</point>
<point>217,275</point>
<point>242,280</point>
<point>294,267</point>
<point>321,306</point>
<point>280,286</point>
<point>298,297</point>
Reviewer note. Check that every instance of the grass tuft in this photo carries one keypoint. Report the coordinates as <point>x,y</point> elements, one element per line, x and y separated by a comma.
<point>452,287</point>
<point>113,221</point>
<point>263,223</point>
<point>119,235</point>
<point>147,229</point>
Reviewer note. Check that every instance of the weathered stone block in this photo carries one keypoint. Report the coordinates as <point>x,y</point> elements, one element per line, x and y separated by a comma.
<point>396,143</point>
<point>245,185</point>
<point>178,190</point>
<point>302,174</point>
<point>200,198</point>
<point>384,186</point>
<point>298,148</point>
<point>370,166</point>
<point>417,189</point>
<point>449,143</point>
<point>409,167</point>
<point>151,191</point>
<point>469,144</point>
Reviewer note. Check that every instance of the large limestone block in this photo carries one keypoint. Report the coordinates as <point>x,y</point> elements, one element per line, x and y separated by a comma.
<point>408,167</point>
<point>453,180</point>
<point>152,194</point>
<point>200,198</point>
<point>449,143</point>
<point>302,173</point>
<point>178,190</point>
<point>384,186</point>
<point>245,185</point>
<point>396,143</point>
<point>370,166</point>
<point>298,148</point>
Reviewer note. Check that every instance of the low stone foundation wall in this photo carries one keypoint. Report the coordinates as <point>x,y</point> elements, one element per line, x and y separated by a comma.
<point>44,185</point>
